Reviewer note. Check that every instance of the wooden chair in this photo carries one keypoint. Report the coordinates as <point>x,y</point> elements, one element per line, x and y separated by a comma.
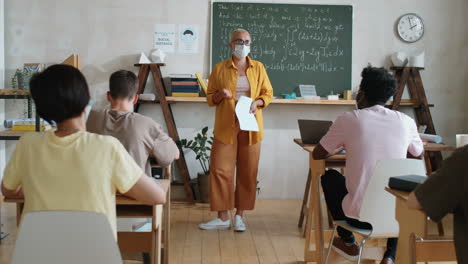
<point>378,207</point>
<point>56,237</point>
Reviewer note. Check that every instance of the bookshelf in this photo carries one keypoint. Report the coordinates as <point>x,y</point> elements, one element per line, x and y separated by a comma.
<point>11,135</point>
<point>173,99</point>
<point>155,70</point>
<point>17,94</point>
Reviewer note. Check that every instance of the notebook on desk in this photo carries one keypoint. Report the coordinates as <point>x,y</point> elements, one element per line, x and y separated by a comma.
<point>407,183</point>
<point>312,131</point>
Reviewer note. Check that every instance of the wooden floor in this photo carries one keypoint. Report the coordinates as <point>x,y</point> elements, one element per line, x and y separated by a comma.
<point>272,236</point>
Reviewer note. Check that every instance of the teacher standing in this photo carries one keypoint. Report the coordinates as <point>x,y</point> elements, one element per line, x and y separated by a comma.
<point>234,149</point>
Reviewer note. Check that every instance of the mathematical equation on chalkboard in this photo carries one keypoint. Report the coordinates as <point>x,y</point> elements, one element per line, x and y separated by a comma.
<point>290,40</point>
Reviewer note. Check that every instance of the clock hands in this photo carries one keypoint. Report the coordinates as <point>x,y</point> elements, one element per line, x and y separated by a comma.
<point>411,24</point>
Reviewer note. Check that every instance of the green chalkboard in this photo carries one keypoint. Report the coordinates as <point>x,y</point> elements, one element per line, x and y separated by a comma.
<point>297,43</point>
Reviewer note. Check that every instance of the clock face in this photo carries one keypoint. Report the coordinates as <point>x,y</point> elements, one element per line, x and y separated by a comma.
<point>410,27</point>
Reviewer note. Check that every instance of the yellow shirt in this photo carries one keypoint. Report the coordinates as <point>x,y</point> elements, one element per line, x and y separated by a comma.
<point>79,172</point>
<point>224,75</point>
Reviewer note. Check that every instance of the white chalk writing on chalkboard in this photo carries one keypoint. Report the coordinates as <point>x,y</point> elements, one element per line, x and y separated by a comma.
<point>310,28</point>
<point>312,42</point>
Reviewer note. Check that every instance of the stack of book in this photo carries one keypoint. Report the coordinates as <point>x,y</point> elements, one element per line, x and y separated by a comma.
<point>26,124</point>
<point>184,85</point>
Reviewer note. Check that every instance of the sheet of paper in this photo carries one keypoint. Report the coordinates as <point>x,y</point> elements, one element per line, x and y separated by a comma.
<point>247,121</point>
<point>164,37</point>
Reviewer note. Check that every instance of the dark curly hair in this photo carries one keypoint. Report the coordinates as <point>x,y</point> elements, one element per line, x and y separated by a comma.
<point>377,84</point>
<point>60,92</point>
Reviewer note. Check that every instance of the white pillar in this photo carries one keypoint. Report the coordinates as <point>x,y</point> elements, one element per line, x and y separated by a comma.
<point>2,82</point>
<point>2,86</point>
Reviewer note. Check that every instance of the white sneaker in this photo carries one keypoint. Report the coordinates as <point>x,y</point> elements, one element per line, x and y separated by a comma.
<point>239,225</point>
<point>215,224</point>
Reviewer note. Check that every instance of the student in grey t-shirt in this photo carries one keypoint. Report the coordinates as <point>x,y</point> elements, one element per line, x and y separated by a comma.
<point>444,192</point>
<point>140,135</point>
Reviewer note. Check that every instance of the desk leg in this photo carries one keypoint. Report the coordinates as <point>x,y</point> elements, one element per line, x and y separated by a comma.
<point>156,235</point>
<point>167,227</point>
<point>427,161</point>
<point>411,222</point>
<point>304,201</point>
<point>167,217</point>
<point>317,167</point>
<point>156,256</point>
<point>19,211</point>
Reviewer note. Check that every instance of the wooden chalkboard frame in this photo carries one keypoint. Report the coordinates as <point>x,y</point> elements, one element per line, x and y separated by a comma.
<point>349,65</point>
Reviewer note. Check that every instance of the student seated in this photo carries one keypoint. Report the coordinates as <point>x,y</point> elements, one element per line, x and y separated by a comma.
<point>369,134</point>
<point>140,135</point>
<point>444,192</point>
<point>69,168</point>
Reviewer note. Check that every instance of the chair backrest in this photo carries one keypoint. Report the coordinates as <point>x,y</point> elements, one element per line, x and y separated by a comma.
<point>52,237</point>
<point>378,207</point>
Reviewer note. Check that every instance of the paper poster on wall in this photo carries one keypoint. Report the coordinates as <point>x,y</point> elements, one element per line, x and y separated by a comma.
<point>164,37</point>
<point>188,38</point>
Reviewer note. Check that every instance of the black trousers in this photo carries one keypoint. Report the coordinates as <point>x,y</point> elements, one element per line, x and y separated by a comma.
<point>334,188</point>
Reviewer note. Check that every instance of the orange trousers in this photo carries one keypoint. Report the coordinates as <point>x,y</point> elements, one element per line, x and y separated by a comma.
<point>224,195</point>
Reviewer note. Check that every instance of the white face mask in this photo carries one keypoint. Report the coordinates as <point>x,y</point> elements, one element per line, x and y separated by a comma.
<point>241,51</point>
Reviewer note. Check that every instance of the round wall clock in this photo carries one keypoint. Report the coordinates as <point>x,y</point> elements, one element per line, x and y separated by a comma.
<point>410,27</point>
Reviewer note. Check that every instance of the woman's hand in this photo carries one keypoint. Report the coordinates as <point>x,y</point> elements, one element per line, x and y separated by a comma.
<point>221,95</point>
<point>255,105</point>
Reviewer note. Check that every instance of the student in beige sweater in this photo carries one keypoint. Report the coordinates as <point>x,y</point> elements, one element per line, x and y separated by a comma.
<point>140,135</point>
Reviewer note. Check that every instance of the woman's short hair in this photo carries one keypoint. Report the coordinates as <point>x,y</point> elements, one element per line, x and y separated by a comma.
<point>235,31</point>
<point>60,93</point>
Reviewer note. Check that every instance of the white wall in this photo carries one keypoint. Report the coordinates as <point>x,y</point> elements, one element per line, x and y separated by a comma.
<point>2,81</point>
<point>109,34</point>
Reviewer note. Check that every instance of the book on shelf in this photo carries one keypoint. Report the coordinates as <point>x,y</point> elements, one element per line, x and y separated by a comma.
<point>180,75</point>
<point>202,82</point>
<point>185,94</point>
<point>185,89</point>
<point>193,80</point>
<point>30,127</point>
<point>8,123</point>
<point>184,83</point>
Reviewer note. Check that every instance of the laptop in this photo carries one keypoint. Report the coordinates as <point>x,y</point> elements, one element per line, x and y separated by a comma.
<point>312,131</point>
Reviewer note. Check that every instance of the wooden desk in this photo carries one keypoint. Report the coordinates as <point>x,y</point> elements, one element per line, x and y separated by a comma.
<point>129,208</point>
<point>314,210</point>
<point>413,225</point>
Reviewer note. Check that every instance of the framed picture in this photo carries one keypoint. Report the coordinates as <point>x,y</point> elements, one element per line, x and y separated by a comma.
<point>29,70</point>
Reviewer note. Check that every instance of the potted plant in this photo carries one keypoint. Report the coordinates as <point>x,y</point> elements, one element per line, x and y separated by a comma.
<point>201,145</point>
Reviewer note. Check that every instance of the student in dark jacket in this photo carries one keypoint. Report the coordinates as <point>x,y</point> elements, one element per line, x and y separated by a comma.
<point>444,192</point>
